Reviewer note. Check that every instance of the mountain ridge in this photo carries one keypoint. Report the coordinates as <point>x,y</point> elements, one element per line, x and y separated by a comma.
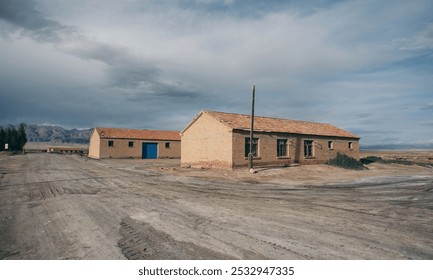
<point>54,134</point>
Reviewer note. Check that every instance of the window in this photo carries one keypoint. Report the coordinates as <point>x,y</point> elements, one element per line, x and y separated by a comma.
<point>331,145</point>
<point>131,144</point>
<point>247,146</point>
<point>282,148</point>
<point>167,145</point>
<point>308,148</point>
<point>110,143</point>
<point>351,145</point>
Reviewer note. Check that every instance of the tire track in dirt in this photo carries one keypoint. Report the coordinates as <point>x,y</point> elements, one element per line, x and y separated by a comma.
<point>68,180</point>
<point>7,254</point>
<point>141,241</point>
<point>68,207</point>
<point>47,191</point>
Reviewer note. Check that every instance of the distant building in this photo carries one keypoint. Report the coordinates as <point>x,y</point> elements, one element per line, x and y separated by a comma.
<point>221,140</point>
<point>67,150</point>
<point>52,147</point>
<point>134,143</point>
<point>30,147</point>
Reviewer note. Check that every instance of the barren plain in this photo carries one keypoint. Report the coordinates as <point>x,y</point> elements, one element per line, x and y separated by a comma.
<point>69,207</point>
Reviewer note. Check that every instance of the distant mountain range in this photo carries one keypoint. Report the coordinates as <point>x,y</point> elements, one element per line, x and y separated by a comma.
<point>55,134</point>
<point>398,147</point>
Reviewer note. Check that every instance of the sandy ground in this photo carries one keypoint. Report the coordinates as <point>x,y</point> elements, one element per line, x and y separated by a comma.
<point>307,174</point>
<point>68,207</point>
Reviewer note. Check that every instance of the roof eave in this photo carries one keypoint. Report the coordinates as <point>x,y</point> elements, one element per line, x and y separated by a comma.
<point>198,116</point>
<point>192,122</point>
<point>288,132</point>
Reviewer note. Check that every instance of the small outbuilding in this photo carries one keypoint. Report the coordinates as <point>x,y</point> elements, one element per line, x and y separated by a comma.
<point>221,140</point>
<point>134,143</point>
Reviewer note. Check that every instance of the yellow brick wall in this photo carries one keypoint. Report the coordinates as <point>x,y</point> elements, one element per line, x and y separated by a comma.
<point>94,145</point>
<point>172,152</point>
<point>321,152</point>
<point>207,143</point>
<point>267,149</point>
<point>122,150</point>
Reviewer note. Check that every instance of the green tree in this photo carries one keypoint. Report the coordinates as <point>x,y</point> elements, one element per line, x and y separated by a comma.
<point>2,138</point>
<point>22,137</point>
<point>16,139</point>
<point>12,138</point>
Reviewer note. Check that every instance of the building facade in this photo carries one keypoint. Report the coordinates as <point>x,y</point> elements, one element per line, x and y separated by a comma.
<point>222,140</point>
<point>134,143</point>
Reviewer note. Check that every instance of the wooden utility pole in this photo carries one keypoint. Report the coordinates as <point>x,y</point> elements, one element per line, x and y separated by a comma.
<point>250,155</point>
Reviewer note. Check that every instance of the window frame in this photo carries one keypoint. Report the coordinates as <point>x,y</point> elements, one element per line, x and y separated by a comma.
<point>309,149</point>
<point>167,145</point>
<point>330,145</point>
<point>129,144</point>
<point>110,143</point>
<point>350,145</point>
<point>286,148</point>
<point>256,142</point>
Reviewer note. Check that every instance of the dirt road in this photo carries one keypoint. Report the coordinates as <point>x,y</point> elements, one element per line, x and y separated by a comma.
<point>68,207</point>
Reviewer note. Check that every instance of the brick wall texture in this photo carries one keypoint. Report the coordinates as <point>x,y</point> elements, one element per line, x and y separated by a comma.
<point>208,142</point>
<point>100,149</point>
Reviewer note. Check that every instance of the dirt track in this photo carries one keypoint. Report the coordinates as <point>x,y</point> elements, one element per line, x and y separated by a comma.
<point>68,207</point>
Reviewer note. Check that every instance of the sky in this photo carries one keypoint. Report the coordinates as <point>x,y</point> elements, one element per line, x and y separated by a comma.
<point>364,66</point>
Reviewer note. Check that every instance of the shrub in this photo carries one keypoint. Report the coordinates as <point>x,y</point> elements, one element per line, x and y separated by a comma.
<point>341,160</point>
<point>370,159</point>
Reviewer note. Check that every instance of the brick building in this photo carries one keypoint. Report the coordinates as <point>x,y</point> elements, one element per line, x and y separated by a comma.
<point>134,143</point>
<point>221,140</point>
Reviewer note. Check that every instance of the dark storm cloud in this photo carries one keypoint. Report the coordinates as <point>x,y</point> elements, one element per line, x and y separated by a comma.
<point>88,49</point>
<point>124,70</point>
<point>133,85</point>
<point>427,107</point>
<point>160,92</point>
<point>140,79</point>
<point>23,14</point>
<point>132,75</point>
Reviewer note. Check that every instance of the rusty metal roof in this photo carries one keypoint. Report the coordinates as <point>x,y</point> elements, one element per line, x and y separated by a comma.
<point>141,134</point>
<point>266,124</point>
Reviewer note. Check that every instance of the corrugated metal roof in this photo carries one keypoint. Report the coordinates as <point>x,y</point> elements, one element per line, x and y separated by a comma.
<point>266,124</point>
<point>142,134</point>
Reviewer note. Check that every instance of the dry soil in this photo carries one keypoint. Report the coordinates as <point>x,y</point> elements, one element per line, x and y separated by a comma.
<point>68,207</point>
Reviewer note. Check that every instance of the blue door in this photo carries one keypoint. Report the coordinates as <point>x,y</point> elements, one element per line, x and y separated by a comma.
<point>150,150</point>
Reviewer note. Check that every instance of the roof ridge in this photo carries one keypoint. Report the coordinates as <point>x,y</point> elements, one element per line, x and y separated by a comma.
<point>121,128</point>
<point>239,121</point>
<point>133,133</point>
<point>255,116</point>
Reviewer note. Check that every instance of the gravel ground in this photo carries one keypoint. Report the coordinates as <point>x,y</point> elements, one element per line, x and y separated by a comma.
<point>68,207</point>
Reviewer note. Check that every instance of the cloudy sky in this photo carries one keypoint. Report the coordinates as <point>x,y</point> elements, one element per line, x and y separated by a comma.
<point>365,66</point>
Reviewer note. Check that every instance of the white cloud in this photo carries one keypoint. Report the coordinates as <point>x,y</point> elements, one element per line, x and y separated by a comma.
<point>422,40</point>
